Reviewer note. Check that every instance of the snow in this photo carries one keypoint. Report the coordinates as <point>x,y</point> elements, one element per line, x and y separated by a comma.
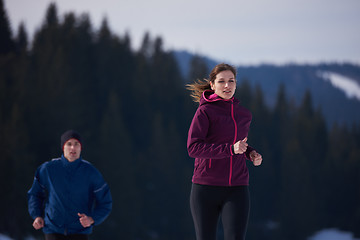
<point>348,85</point>
<point>326,234</point>
<point>332,234</point>
<point>4,237</point>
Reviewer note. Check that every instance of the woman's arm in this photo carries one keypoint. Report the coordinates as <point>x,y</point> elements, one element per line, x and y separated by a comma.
<point>196,144</point>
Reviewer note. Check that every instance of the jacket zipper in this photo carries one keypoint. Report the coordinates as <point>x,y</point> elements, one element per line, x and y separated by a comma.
<point>235,136</point>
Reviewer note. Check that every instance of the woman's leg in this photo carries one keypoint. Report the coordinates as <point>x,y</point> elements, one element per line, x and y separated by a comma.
<point>235,213</point>
<point>205,211</point>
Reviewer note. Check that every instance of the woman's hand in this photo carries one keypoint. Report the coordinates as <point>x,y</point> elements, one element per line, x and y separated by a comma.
<point>85,220</point>
<point>256,158</point>
<point>240,146</point>
<point>38,223</point>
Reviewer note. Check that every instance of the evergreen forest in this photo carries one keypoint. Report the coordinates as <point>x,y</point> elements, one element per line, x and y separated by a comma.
<point>133,110</point>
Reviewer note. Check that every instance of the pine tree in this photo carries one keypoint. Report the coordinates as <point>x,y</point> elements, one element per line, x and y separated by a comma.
<point>198,69</point>
<point>6,42</point>
<point>119,169</point>
<point>244,92</point>
<point>21,40</point>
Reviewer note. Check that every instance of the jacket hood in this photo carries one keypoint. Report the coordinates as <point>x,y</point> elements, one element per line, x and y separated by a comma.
<point>210,96</point>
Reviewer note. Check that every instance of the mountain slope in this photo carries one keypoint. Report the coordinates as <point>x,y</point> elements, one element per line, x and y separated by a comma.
<point>334,102</point>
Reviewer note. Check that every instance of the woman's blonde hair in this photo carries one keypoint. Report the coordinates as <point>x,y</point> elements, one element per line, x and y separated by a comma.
<point>199,86</point>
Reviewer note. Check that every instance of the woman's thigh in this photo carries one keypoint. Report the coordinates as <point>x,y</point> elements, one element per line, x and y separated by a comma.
<point>205,207</point>
<point>235,213</point>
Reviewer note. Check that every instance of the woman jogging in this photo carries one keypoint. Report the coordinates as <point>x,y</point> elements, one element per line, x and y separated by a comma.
<point>217,139</point>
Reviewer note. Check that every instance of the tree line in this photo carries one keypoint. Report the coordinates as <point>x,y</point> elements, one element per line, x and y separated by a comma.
<point>133,110</point>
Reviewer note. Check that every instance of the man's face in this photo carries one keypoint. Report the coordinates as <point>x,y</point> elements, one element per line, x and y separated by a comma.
<point>72,149</point>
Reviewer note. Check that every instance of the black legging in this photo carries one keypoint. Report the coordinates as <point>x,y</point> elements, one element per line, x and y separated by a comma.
<point>208,203</point>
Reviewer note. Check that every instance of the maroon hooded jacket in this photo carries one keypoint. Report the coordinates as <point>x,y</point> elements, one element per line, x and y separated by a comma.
<point>216,126</point>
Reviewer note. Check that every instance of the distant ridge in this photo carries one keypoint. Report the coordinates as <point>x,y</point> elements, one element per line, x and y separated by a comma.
<point>297,79</point>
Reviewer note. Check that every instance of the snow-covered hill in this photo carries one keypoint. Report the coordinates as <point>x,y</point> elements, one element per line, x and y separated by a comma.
<point>335,88</point>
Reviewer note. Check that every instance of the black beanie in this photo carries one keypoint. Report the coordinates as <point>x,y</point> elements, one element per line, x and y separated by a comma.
<point>68,135</point>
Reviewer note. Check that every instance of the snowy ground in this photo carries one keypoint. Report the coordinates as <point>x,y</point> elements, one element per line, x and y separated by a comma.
<point>331,234</point>
<point>350,86</point>
<point>326,234</point>
<point>4,237</point>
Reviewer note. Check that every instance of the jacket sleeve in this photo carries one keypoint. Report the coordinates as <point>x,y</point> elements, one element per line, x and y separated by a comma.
<point>103,200</point>
<point>37,195</point>
<point>196,143</point>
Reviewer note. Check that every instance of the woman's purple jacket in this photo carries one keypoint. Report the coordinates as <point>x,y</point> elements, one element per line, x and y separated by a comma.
<point>216,126</point>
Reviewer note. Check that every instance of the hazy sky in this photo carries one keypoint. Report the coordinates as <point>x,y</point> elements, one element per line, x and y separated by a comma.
<point>237,31</point>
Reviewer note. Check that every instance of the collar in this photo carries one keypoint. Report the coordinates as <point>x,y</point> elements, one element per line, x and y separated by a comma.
<point>69,164</point>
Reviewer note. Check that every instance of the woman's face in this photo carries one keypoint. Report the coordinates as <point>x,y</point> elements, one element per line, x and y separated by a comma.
<point>224,84</point>
<point>72,149</point>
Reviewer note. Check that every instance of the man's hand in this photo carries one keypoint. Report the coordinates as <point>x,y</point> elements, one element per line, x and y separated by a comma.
<point>38,223</point>
<point>85,221</point>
